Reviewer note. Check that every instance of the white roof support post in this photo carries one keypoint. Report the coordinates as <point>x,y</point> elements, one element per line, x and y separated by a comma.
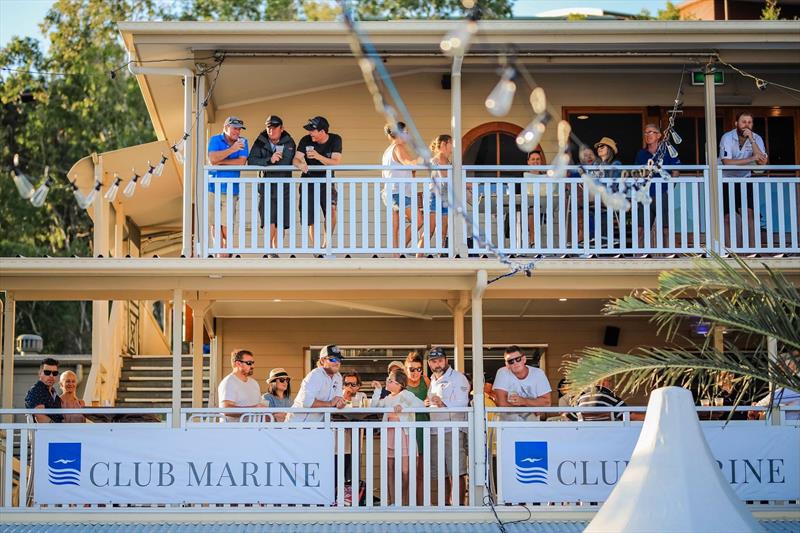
<point>199,308</point>
<point>177,355</point>
<point>457,244</point>
<point>188,88</point>
<point>9,316</point>
<point>200,218</point>
<point>713,233</point>
<point>459,310</point>
<point>478,415</point>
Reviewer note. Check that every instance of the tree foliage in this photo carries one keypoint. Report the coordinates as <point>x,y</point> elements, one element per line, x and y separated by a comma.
<point>750,306</point>
<point>771,11</point>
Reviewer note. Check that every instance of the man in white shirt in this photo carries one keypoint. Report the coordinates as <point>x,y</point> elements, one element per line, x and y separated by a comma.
<point>238,389</point>
<point>741,146</point>
<point>520,385</point>
<point>322,387</point>
<point>448,388</point>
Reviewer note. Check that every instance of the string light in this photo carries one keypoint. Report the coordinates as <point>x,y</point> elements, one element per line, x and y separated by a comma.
<point>499,101</point>
<point>130,188</point>
<point>111,193</point>
<point>160,166</point>
<point>148,175</point>
<point>24,186</point>
<point>89,200</point>
<point>457,42</point>
<point>40,195</point>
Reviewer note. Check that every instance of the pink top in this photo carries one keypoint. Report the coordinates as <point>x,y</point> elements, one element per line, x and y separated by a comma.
<point>72,404</point>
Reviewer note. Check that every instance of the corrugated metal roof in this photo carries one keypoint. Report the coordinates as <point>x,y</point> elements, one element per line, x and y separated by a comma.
<point>772,526</point>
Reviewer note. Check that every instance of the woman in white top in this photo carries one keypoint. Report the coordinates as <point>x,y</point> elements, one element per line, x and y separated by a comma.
<point>396,154</point>
<point>398,398</point>
<point>442,149</point>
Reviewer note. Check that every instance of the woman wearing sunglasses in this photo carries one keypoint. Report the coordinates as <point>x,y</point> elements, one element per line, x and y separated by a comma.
<point>279,392</point>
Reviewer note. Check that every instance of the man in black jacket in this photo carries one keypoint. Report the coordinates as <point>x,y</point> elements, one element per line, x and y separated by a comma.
<point>274,146</point>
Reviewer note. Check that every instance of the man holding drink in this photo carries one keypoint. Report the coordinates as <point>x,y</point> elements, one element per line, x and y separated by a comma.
<point>318,148</point>
<point>227,148</point>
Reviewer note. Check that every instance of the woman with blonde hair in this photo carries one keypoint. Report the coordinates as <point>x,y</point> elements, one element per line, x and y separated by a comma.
<point>69,399</point>
<point>442,150</point>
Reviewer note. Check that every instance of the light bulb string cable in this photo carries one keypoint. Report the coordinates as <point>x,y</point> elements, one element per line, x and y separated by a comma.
<point>370,62</point>
<point>760,82</point>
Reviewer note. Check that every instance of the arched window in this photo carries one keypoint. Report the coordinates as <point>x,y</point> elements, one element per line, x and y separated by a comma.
<point>493,143</point>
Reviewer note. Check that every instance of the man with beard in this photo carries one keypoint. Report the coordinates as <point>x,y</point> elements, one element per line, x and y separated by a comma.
<point>274,146</point>
<point>238,389</point>
<point>741,146</point>
<point>42,395</point>
<point>449,388</point>
<point>322,387</point>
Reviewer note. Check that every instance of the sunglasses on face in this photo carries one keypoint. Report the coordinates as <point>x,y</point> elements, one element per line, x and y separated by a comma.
<point>415,370</point>
<point>50,372</point>
<point>334,359</point>
<point>350,384</point>
<point>282,380</point>
<point>248,363</point>
<point>390,381</point>
<point>514,360</point>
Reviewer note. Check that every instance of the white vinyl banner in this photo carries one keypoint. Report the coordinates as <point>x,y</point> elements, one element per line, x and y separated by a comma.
<point>553,464</point>
<point>232,465</point>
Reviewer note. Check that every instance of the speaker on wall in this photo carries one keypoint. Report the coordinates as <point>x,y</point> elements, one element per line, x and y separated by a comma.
<point>611,336</point>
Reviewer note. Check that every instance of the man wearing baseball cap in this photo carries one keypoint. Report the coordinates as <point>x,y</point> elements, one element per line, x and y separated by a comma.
<point>274,146</point>
<point>227,148</point>
<point>448,388</point>
<point>322,387</point>
<point>318,148</point>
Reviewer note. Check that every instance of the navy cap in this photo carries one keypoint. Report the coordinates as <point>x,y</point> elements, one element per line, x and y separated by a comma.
<point>273,120</point>
<point>317,123</point>
<point>435,353</point>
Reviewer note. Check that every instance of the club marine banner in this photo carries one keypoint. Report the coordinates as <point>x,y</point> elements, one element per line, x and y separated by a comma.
<point>555,464</point>
<point>236,465</point>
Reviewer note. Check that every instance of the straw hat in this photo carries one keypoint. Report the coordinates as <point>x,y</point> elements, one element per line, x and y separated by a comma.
<point>398,364</point>
<point>608,141</point>
<point>276,373</point>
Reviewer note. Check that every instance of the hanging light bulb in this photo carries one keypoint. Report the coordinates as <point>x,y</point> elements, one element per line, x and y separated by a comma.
<point>88,200</point>
<point>499,101</point>
<point>564,130</point>
<point>40,195</point>
<point>76,192</point>
<point>180,144</point>
<point>559,169</point>
<point>24,186</point>
<point>672,151</point>
<point>160,166</point>
<point>456,42</point>
<point>130,188</point>
<point>111,193</point>
<point>675,137</point>
<point>529,138</point>
<point>148,175</point>
<point>538,100</point>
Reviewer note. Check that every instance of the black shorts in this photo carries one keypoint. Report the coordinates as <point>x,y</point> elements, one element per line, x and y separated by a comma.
<point>307,206</point>
<point>737,197</point>
<point>274,201</point>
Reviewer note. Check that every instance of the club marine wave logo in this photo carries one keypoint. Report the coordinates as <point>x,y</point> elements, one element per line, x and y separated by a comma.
<point>530,459</point>
<point>64,463</point>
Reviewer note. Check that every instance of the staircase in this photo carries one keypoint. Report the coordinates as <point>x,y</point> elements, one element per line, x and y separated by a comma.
<point>146,381</point>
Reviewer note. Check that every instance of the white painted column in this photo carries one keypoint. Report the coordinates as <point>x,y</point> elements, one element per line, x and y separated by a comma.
<point>186,241</point>
<point>201,217</point>
<point>177,338</point>
<point>9,316</point>
<point>713,233</point>
<point>459,310</point>
<point>458,246</point>
<point>479,420</point>
<point>199,308</point>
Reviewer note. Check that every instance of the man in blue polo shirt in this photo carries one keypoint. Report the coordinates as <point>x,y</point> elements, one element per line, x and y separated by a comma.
<point>227,148</point>
<point>651,150</point>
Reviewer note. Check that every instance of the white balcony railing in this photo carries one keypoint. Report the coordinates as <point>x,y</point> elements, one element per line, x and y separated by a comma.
<point>363,478</point>
<point>518,208</point>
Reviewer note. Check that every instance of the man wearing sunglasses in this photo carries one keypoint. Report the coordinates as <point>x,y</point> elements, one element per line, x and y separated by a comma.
<point>239,389</point>
<point>448,388</point>
<point>322,387</point>
<point>42,395</point>
<point>520,385</point>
